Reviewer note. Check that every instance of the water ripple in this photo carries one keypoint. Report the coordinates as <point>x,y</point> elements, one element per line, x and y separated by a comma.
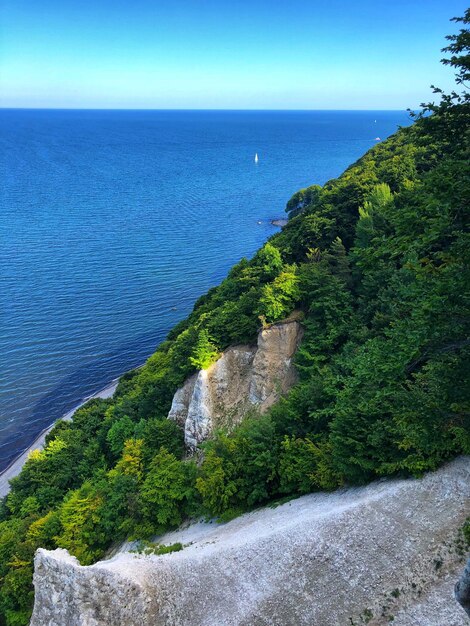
<point>113,223</point>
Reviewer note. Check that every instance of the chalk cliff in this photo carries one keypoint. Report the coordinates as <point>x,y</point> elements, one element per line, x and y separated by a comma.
<point>386,553</point>
<point>243,377</point>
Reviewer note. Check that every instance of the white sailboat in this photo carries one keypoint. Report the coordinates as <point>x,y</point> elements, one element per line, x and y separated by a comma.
<point>256,157</point>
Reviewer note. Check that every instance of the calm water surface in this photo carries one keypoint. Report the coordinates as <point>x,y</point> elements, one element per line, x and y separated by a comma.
<point>112,223</point>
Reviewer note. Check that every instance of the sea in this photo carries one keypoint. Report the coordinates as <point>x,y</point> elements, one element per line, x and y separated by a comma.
<point>112,223</point>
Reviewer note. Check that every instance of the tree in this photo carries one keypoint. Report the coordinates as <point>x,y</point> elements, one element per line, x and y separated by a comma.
<point>157,433</point>
<point>308,197</point>
<point>131,463</point>
<point>279,297</point>
<point>337,258</point>
<point>239,470</point>
<point>163,491</point>
<point>305,466</point>
<point>451,115</point>
<point>269,260</point>
<point>205,351</point>
<point>82,534</point>
<point>215,483</point>
<point>43,532</point>
<point>121,430</point>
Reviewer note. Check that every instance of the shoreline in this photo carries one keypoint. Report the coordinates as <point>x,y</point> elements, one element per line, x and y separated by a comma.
<point>280,222</point>
<point>15,467</point>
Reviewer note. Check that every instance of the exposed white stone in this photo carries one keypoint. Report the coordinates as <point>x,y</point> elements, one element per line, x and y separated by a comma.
<point>198,424</point>
<point>179,406</point>
<point>355,556</point>
<point>243,377</point>
<point>273,373</point>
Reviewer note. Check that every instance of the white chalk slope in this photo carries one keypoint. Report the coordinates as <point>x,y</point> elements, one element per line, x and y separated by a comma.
<point>355,556</point>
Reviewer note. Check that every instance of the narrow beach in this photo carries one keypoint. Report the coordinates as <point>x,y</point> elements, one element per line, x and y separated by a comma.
<point>15,467</point>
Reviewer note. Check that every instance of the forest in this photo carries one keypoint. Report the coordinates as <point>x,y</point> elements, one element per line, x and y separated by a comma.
<point>376,263</point>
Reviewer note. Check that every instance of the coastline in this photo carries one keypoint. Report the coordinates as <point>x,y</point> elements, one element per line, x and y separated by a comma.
<point>16,465</point>
<point>14,468</point>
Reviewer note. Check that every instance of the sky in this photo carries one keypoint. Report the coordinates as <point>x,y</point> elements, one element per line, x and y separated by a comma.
<point>223,54</point>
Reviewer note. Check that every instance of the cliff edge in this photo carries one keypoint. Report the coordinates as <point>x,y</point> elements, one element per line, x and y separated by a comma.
<point>242,378</point>
<point>386,553</point>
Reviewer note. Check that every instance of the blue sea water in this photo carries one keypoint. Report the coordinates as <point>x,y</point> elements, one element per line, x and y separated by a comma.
<point>112,223</point>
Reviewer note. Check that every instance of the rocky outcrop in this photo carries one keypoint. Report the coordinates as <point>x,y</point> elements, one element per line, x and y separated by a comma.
<point>462,589</point>
<point>243,377</point>
<point>381,554</point>
<point>66,595</point>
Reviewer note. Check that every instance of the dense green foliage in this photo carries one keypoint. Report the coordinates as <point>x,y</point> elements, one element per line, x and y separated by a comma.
<point>378,263</point>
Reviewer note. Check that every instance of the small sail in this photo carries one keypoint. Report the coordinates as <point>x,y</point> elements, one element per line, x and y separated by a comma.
<point>256,158</point>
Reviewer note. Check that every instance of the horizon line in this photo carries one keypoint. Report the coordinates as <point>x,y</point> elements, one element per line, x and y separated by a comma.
<point>7,108</point>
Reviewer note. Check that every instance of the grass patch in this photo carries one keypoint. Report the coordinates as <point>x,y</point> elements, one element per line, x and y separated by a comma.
<point>149,547</point>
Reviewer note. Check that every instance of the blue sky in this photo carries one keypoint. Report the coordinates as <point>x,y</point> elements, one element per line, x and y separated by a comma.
<point>258,54</point>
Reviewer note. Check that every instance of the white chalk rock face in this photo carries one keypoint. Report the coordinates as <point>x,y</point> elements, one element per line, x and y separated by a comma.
<point>273,373</point>
<point>381,554</point>
<point>181,400</point>
<point>243,377</point>
<point>66,595</point>
<point>198,423</point>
